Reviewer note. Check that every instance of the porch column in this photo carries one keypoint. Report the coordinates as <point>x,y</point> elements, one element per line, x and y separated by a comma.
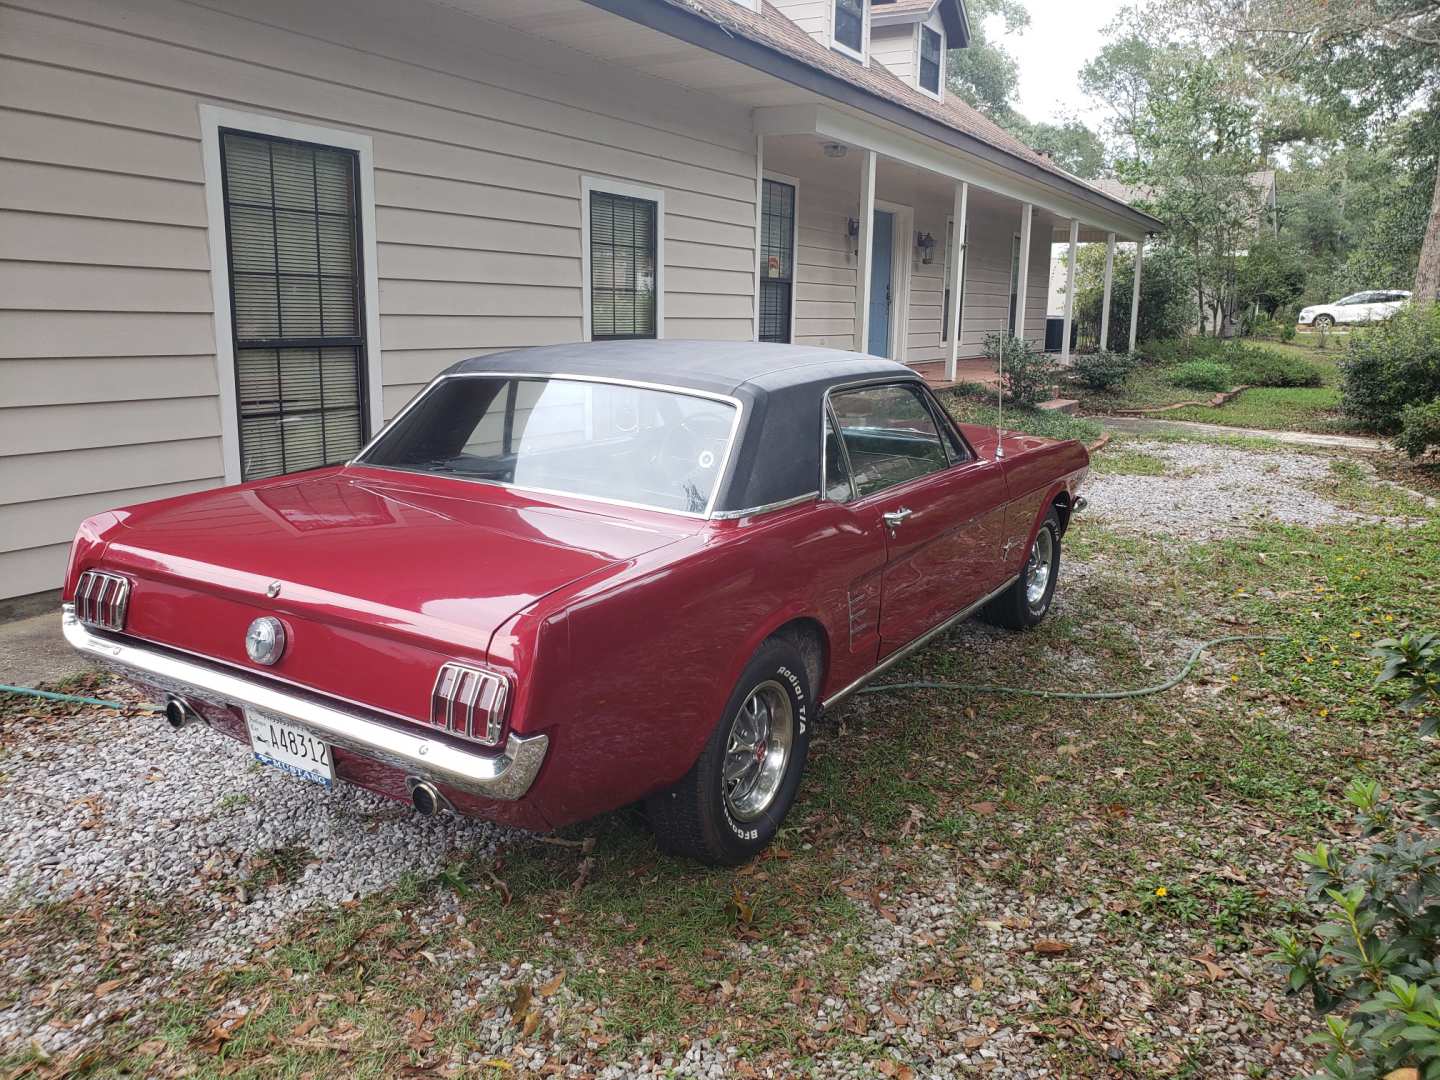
<point>1105,303</point>
<point>956,255</point>
<point>1135,292</point>
<point>862,260</point>
<point>1069,290</point>
<point>759,225</point>
<point>1023,271</point>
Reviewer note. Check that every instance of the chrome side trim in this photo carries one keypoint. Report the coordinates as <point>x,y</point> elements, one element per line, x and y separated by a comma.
<point>505,776</point>
<point>755,511</point>
<point>919,643</point>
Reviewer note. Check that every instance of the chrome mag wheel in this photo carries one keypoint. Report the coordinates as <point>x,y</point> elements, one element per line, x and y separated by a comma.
<point>757,751</point>
<point>1038,569</point>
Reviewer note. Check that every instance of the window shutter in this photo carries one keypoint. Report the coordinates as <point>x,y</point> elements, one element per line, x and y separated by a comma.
<point>296,303</point>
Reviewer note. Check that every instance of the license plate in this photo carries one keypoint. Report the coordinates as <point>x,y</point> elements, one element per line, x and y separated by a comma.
<point>290,748</point>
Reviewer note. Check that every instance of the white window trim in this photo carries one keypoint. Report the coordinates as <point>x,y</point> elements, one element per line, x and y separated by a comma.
<point>920,28</point>
<point>212,119</point>
<point>794,254</point>
<point>607,186</point>
<point>839,46</point>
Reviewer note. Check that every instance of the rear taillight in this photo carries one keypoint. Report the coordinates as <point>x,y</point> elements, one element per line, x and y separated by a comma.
<point>100,599</point>
<point>470,703</point>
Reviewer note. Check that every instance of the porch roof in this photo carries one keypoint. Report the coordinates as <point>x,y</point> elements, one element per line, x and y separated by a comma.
<point>770,42</point>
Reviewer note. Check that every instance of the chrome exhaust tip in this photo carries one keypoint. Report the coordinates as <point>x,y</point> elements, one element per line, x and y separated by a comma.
<point>180,713</point>
<point>425,796</point>
<point>1080,504</point>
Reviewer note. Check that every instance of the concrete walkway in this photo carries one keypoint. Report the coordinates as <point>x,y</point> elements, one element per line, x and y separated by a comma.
<point>1144,425</point>
<point>33,651</point>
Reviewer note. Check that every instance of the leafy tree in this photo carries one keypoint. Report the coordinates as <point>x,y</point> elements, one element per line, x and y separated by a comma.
<point>1120,78</point>
<point>1197,150</point>
<point>1362,63</point>
<point>984,73</point>
<point>1271,275</point>
<point>1072,145</point>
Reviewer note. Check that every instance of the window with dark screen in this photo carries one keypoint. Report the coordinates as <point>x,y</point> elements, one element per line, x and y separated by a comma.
<point>777,260</point>
<point>296,302</point>
<point>623,260</point>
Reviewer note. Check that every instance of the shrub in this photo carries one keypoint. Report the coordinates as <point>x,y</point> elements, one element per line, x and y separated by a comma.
<point>1377,952</point>
<point>1168,352</point>
<point>1257,366</point>
<point>1027,372</point>
<point>1267,329</point>
<point>1390,365</point>
<point>1203,375</point>
<point>1419,428</point>
<point>1104,369</point>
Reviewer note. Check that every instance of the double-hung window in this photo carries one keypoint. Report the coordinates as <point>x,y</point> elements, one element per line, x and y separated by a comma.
<point>849,30</point>
<point>931,51</point>
<point>296,301</point>
<point>623,261</point>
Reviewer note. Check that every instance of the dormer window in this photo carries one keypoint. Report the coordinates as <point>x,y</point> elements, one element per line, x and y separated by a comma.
<point>849,31</point>
<point>932,51</point>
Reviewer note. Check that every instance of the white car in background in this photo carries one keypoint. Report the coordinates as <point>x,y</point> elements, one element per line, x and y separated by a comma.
<point>1358,307</point>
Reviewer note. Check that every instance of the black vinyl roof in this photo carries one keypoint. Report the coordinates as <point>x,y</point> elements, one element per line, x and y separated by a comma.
<point>717,367</point>
<point>781,389</point>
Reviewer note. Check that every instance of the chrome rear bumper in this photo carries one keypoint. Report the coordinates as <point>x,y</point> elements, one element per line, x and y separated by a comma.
<point>507,775</point>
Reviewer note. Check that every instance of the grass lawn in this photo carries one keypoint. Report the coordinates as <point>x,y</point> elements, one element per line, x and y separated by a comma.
<point>1269,408</point>
<point>1084,888</point>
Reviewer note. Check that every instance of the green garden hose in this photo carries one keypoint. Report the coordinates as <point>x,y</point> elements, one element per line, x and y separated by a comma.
<point>49,695</point>
<point>922,684</point>
<point>1075,695</point>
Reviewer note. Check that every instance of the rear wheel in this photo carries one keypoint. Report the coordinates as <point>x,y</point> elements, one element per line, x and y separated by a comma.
<point>1026,602</point>
<point>1324,321</point>
<point>730,804</point>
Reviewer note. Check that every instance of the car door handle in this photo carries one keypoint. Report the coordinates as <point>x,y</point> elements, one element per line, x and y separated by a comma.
<point>895,518</point>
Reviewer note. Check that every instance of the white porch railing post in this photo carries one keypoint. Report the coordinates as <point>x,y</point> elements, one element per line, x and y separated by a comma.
<point>1069,289</point>
<point>1023,271</point>
<point>759,223</point>
<point>956,255</point>
<point>862,261</point>
<point>1105,301</point>
<point>1135,293</point>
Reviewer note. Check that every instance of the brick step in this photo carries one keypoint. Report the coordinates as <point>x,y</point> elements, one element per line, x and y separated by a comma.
<point>1068,406</point>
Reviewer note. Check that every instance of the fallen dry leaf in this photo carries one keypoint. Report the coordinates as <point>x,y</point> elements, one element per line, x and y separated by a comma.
<point>548,988</point>
<point>1051,947</point>
<point>1406,1073</point>
<point>520,1003</point>
<point>532,1022</point>
<point>106,987</point>
<point>984,809</point>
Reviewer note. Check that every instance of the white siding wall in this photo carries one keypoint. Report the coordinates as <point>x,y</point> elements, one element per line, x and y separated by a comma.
<point>894,46</point>
<point>812,16</point>
<point>108,377</point>
<point>825,268</point>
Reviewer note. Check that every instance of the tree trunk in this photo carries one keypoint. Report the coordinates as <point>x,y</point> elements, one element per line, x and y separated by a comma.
<point>1427,274</point>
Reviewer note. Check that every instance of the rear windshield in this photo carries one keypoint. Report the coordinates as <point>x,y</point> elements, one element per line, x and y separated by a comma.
<point>657,448</point>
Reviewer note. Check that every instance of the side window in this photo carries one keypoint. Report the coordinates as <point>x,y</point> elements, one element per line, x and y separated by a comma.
<point>837,468</point>
<point>889,436</point>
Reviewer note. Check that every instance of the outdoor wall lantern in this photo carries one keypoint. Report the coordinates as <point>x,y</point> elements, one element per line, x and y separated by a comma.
<point>926,243</point>
<point>852,234</point>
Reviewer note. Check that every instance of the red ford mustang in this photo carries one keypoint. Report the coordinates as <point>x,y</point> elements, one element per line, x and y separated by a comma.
<point>569,578</point>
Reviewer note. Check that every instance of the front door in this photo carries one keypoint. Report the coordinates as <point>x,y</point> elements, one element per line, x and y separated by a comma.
<point>882,272</point>
<point>941,509</point>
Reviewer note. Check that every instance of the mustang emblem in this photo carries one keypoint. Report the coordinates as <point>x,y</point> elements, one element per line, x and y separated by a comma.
<point>265,640</point>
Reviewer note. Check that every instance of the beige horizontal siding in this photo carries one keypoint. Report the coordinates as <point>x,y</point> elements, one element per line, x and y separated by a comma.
<point>825,273</point>
<point>894,46</point>
<point>108,379</point>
